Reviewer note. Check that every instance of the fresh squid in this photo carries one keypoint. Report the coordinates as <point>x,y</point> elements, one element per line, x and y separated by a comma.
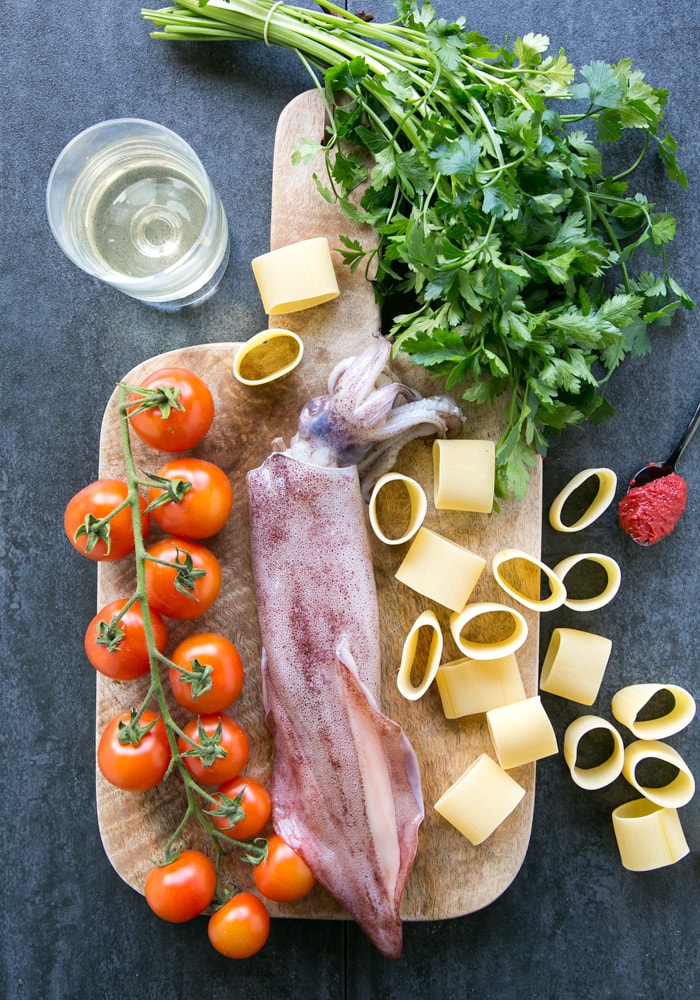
<point>345,781</point>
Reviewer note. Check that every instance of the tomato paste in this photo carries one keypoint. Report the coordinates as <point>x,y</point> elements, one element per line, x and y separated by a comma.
<point>650,512</point>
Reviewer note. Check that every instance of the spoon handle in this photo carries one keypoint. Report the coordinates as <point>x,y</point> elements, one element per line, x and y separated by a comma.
<point>685,440</point>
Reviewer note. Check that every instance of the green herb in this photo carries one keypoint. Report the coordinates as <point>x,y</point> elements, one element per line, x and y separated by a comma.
<point>482,175</point>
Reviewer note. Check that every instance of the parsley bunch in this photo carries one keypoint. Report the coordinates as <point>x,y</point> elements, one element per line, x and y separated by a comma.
<point>480,169</point>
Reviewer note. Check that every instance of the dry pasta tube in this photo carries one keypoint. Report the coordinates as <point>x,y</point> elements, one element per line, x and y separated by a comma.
<point>603,774</point>
<point>267,356</point>
<point>488,650</point>
<point>648,836</point>
<point>574,665</point>
<point>629,701</point>
<point>440,570</point>
<point>607,484</point>
<point>673,795</point>
<point>557,589</point>
<point>521,733</point>
<point>464,475</point>
<point>478,802</point>
<point>416,497</point>
<point>426,621</point>
<point>612,586</point>
<point>468,687</point>
<point>296,277</point>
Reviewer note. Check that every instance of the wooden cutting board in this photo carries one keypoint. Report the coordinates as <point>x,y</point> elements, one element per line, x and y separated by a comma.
<point>450,876</point>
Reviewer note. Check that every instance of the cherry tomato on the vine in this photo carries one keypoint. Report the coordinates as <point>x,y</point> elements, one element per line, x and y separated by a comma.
<point>226,747</point>
<point>283,875</point>
<point>255,802</point>
<point>137,763</point>
<point>176,411</point>
<point>210,675</point>
<point>115,643</point>
<point>182,889</point>
<point>183,578</point>
<point>85,525</point>
<point>197,510</point>
<point>241,927</point>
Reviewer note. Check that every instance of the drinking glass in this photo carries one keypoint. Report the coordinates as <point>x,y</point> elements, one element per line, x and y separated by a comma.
<point>130,203</point>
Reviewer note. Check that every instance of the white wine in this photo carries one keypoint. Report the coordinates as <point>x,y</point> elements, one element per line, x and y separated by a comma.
<point>130,203</point>
<point>141,220</point>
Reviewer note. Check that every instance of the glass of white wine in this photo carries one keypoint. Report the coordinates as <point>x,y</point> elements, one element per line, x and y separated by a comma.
<point>130,203</point>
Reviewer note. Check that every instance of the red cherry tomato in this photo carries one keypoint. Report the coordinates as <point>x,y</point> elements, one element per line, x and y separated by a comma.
<point>115,643</point>
<point>241,927</point>
<point>88,531</point>
<point>283,875</point>
<point>176,412</point>
<point>215,733</point>
<point>196,593</point>
<point>203,498</point>
<point>183,889</point>
<point>137,766</point>
<point>210,675</point>
<point>255,802</point>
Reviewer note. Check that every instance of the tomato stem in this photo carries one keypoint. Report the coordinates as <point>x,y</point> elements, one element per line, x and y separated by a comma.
<point>194,792</point>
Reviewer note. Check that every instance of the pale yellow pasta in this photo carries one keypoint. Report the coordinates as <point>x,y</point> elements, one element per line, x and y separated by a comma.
<point>521,733</point>
<point>464,474</point>
<point>425,621</point>
<point>607,484</point>
<point>440,570</point>
<point>629,701</point>
<point>611,588</point>
<point>648,836</point>
<point>468,687</point>
<point>295,277</point>
<point>574,664</point>
<point>418,507</point>
<point>488,650</point>
<point>267,356</point>
<point>608,770</point>
<point>480,800</point>
<point>678,792</point>
<point>557,594</point>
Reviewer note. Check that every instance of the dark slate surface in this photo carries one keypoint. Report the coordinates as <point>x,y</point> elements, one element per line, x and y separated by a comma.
<point>574,924</point>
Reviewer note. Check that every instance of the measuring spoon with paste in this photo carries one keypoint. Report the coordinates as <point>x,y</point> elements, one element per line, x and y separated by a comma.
<point>657,495</point>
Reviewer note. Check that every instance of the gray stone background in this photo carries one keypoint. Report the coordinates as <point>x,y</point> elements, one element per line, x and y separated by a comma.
<point>574,924</point>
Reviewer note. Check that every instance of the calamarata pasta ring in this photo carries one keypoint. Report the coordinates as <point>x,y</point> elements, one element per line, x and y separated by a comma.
<point>416,497</point>
<point>607,484</point>
<point>427,621</point>
<point>678,792</point>
<point>488,650</point>
<point>268,355</point>
<point>629,701</point>
<point>608,770</point>
<point>557,595</point>
<point>648,836</point>
<point>611,588</point>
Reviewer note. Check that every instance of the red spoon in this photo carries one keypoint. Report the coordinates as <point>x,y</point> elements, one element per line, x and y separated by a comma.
<point>654,470</point>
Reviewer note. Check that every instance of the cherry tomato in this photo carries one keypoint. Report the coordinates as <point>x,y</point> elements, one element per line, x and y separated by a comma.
<point>179,413</point>
<point>198,510</point>
<point>283,875</point>
<point>183,889</point>
<point>214,673</point>
<point>134,767</point>
<point>177,590</point>
<point>85,512</point>
<point>241,927</point>
<point>232,738</point>
<point>117,648</point>
<point>255,801</point>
